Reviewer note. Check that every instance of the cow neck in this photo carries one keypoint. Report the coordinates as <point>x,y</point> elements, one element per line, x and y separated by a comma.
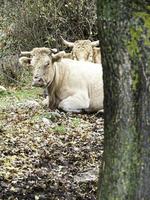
<point>55,85</point>
<point>59,76</point>
<point>50,83</point>
<point>51,90</point>
<point>60,71</point>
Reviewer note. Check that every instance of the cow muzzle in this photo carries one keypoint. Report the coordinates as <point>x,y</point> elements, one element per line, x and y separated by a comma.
<point>38,82</point>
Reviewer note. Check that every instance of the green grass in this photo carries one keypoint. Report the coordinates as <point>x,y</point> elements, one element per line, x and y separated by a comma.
<point>59,129</point>
<point>12,96</point>
<point>76,122</point>
<point>28,93</point>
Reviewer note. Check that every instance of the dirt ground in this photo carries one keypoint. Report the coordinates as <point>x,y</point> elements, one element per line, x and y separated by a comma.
<point>48,154</point>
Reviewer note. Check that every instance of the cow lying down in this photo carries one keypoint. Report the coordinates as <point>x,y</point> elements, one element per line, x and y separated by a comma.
<point>73,86</point>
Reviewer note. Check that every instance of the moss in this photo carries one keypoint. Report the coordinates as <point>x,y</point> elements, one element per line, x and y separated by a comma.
<point>142,19</point>
<point>132,46</point>
<point>139,31</point>
<point>146,19</point>
<point>135,80</point>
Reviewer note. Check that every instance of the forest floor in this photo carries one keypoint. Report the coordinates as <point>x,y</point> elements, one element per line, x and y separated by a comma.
<point>47,154</point>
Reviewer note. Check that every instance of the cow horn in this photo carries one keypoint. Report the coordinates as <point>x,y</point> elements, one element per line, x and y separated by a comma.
<point>69,44</point>
<point>26,53</point>
<point>95,43</point>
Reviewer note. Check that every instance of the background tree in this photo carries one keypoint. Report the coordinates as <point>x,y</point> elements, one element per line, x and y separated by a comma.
<point>124,32</point>
<point>34,23</point>
<point>41,22</point>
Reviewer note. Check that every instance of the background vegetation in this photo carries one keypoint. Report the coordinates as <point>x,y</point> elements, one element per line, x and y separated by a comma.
<point>33,23</point>
<point>45,154</point>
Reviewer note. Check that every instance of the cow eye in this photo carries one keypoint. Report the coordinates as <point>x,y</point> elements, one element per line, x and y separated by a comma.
<point>47,63</point>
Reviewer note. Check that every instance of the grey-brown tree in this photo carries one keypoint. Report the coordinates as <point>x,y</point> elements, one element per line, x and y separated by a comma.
<point>124,33</point>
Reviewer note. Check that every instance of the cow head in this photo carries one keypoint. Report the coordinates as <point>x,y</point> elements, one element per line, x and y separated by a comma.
<point>41,59</point>
<point>81,49</point>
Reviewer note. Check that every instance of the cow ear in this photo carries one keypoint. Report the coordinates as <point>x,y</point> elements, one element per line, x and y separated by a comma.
<point>95,43</point>
<point>25,61</point>
<point>54,50</point>
<point>58,56</point>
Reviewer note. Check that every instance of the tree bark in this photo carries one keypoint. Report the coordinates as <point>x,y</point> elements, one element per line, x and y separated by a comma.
<point>124,33</point>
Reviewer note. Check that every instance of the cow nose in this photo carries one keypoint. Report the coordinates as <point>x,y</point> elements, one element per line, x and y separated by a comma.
<point>37,81</point>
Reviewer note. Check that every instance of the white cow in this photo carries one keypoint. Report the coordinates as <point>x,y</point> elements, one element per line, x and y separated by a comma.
<point>73,86</point>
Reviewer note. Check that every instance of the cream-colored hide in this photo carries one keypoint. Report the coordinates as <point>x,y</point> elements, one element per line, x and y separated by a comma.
<point>73,86</point>
<point>97,55</point>
<point>84,50</point>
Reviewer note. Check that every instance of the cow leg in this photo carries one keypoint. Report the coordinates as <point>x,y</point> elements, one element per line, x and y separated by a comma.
<point>75,103</point>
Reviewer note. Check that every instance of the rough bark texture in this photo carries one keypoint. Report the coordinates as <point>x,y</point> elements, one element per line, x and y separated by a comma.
<point>124,31</point>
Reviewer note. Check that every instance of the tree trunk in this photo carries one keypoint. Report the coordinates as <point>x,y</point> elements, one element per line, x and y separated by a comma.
<point>124,32</point>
